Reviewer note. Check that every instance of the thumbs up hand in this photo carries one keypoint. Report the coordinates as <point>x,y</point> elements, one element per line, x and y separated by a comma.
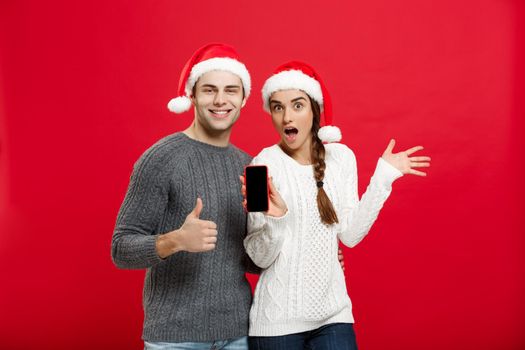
<point>195,235</point>
<point>196,212</point>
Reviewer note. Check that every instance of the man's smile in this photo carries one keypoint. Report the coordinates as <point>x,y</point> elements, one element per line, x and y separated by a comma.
<point>220,113</point>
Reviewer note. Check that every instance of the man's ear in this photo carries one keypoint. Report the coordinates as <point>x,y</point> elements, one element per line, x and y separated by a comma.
<point>243,102</point>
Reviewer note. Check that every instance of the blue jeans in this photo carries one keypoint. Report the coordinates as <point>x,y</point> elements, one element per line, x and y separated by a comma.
<point>229,344</point>
<point>335,336</point>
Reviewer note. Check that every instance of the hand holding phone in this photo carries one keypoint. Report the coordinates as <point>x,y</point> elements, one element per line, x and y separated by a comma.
<point>262,193</point>
<point>257,192</point>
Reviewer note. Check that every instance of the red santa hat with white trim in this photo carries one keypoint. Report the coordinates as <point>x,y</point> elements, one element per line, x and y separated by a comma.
<point>301,76</point>
<point>214,56</point>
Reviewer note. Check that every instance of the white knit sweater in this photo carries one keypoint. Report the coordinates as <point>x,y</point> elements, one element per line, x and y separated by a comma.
<point>302,286</point>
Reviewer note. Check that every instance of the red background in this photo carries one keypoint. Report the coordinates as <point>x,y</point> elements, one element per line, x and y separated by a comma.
<point>83,92</point>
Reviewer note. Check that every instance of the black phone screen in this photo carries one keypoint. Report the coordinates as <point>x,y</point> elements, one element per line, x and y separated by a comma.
<point>256,188</point>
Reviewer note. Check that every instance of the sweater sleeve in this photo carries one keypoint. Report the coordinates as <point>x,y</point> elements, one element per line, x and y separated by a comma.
<point>265,234</point>
<point>359,215</point>
<point>265,238</point>
<point>134,239</point>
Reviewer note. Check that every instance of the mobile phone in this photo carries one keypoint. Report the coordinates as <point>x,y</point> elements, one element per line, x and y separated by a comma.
<point>256,180</point>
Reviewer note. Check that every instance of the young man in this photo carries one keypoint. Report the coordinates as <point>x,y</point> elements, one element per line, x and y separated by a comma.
<point>182,218</point>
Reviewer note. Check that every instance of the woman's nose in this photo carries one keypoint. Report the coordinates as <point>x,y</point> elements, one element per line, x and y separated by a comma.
<point>287,116</point>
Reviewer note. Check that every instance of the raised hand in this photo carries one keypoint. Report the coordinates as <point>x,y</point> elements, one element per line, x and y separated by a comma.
<point>403,162</point>
<point>276,206</point>
<point>195,235</point>
<point>341,258</point>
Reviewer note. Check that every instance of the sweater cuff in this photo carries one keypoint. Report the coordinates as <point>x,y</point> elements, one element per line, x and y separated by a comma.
<point>150,250</point>
<point>385,174</point>
<point>278,224</point>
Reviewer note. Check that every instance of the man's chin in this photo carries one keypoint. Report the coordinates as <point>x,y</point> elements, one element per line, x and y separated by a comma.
<point>220,126</point>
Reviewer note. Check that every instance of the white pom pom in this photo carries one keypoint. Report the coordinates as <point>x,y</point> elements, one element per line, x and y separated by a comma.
<point>179,104</point>
<point>329,134</point>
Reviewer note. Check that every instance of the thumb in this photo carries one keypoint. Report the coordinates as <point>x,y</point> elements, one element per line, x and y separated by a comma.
<point>197,210</point>
<point>270,185</point>
<point>273,190</point>
<point>390,146</point>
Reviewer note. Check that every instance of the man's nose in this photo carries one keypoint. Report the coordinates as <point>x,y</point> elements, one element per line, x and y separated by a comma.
<point>219,98</point>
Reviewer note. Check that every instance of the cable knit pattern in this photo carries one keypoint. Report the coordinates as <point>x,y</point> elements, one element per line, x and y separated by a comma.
<point>302,286</point>
<point>199,297</point>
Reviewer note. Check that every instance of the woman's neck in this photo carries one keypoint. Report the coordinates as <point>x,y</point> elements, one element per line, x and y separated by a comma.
<point>302,155</point>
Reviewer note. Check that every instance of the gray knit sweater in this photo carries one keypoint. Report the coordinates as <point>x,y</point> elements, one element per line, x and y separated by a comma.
<point>197,297</point>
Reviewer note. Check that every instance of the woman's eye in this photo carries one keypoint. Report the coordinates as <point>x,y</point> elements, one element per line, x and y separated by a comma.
<point>298,106</point>
<point>277,108</point>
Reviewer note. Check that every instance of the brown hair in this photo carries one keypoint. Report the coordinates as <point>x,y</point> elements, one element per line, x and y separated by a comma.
<point>326,209</point>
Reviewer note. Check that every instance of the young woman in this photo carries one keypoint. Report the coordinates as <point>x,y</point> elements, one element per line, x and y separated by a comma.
<point>301,301</point>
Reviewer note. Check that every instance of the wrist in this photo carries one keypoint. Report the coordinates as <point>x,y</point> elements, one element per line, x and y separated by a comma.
<point>278,214</point>
<point>283,212</point>
<point>168,244</point>
<point>386,173</point>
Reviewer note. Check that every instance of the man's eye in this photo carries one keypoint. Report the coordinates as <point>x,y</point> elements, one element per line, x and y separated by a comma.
<point>207,91</point>
<point>231,91</point>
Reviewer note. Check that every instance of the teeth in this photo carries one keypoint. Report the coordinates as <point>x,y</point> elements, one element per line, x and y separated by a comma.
<point>220,112</point>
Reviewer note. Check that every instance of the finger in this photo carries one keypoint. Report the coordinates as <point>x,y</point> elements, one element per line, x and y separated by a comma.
<point>390,146</point>
<point>209,224</point>
<point>417,172</point>
<point>419,165</point>
<point>242,179</point>
<point>212,239</point>
<point>419,159</point>
<point>413,149</point>
<point>210,233</point>
<point>208,247</point>
<point>197,209</point>
<point>272,187</point>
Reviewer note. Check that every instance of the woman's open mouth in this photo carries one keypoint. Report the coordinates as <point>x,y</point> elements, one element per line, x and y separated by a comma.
<point>290,133</point>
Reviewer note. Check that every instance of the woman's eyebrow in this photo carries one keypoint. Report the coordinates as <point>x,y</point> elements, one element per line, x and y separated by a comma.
<point>298,98</point>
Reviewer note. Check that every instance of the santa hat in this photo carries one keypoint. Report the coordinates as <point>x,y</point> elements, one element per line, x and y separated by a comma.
<point>301,76</point>
<point>215,56</point>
